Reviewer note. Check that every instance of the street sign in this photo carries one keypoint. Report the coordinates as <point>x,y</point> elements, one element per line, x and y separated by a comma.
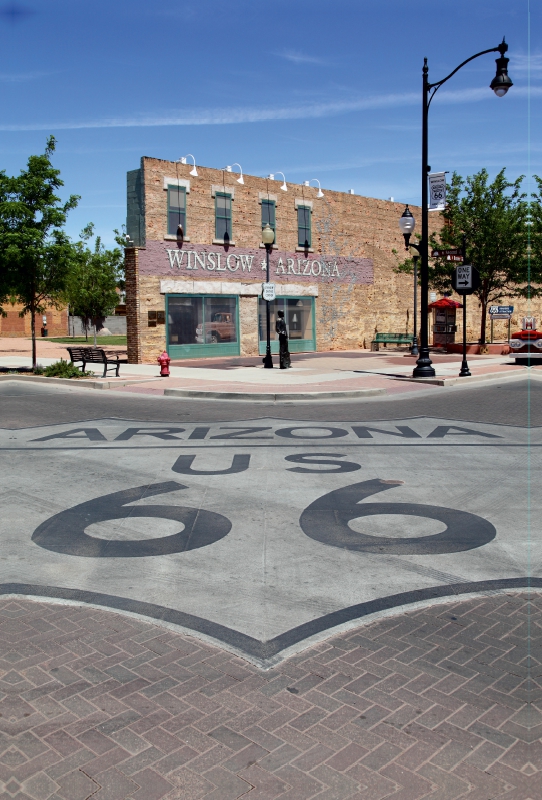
<point>268,291</point>
<point>465,279</point>
<point>459,259</point>
<point>451,251</point>
<point>501,312</point>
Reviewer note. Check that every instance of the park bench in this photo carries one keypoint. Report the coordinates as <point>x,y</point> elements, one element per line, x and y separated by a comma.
<point>390,338</point>
<point>95,355</point>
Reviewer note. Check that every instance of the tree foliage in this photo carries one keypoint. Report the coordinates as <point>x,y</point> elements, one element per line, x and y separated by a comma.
<point>493,220</point>
<point>96,272</point>
<point>35,252</point>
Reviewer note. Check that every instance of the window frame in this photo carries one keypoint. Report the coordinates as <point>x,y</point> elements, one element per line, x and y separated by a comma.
<point>229,196</point>
<point>175,209</point>
<point>270,204</point>
<point>307,242</point>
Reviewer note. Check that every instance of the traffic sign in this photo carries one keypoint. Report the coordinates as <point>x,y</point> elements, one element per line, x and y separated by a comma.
<point>501,312</point>
<point>451,251</point>
<point>268,291</point>
<point>465,279</point>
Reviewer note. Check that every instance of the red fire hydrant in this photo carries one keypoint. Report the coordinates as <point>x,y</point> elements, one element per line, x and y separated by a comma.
<point>163,360</point>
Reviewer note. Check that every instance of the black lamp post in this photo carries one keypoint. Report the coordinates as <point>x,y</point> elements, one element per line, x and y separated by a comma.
<point>268,237</point>
<point>407,223</point>
<point>500,85</point>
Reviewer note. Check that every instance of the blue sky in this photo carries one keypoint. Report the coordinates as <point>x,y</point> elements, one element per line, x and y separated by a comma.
<point>326,89</point>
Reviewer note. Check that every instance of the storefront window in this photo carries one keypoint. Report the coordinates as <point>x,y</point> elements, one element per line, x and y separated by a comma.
<point>298,315</point>
<point>185,316</point>
<point>202,321</point>
<point>220,320</point>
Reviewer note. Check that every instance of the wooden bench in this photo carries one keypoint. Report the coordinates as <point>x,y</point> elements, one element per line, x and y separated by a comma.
<point>390,338</point>
<point>95,355</point>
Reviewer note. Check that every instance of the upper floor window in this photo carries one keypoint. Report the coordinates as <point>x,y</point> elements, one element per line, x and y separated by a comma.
<point>268,215</point>
<point>176,209</point>
<point>304,238</point>
<point>223,229</point>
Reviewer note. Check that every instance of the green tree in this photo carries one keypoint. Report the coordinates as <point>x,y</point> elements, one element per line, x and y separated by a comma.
<point>35,252</point>
<point>493,218</point>
<point>96,272</point>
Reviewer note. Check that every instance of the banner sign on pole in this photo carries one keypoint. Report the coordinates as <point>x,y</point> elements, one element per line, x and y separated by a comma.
<point>437,191</point>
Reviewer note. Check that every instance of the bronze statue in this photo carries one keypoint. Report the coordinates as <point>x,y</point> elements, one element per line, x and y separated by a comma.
<point>284,355</point>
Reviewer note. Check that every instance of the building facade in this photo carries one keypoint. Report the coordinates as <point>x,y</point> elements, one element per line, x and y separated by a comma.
<point>195,264</point>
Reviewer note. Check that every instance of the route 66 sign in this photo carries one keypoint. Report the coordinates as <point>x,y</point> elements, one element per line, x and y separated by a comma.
<point>437,191</point>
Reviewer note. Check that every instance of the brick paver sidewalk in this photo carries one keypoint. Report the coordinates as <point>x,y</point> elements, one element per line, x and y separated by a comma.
<point>436,703</point>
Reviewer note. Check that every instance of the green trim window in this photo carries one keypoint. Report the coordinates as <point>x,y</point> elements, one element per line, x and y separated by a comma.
<point>176,209</point>
<point>202,325</point>
<point>304,236</point>
<point>269,216</point>
<point>223,228</point>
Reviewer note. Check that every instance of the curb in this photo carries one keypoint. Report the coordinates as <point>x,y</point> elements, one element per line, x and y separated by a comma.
<point>84,383</point>
<point>354,393</point>
<point>463,381</point>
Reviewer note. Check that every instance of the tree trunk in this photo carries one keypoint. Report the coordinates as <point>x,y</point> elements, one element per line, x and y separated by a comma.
<point>483,322</point>
<point>33,334</point>
<point>95,343</point>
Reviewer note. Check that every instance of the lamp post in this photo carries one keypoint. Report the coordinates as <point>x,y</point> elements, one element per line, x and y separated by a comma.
<point>268,237</point>
<point>414,349</point>
<point>407,223</point>
<point>500,85</point>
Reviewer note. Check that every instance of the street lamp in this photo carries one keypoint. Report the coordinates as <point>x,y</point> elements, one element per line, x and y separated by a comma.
<point>407,223</point>
<point>268,237</point>
<point>500,85</point>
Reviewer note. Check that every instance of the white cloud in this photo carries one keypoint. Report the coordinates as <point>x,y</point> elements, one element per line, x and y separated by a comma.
<point>300,58</point>
<point>233,116</point>
<point>524,63</point>
<point>22,77</point>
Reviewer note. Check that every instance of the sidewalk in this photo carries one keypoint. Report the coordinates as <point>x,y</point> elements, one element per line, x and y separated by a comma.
<point>432,703</point>
<point>338,374</point>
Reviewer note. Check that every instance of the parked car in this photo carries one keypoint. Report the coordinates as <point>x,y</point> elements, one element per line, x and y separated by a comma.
<point>221,328</point>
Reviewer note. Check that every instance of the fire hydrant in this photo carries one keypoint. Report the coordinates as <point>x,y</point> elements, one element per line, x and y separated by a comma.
<point>163,360</point>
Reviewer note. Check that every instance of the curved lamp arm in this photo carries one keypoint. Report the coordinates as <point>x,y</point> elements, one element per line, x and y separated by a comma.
<point>502,48</point>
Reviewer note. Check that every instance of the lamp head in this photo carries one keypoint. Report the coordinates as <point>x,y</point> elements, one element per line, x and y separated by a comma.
<point>194,171</point>
<point>501,82</point>
<point>284,187</point>
<point>268,235</point>
<point>407,223</point>
<point>241,180</point>
<point>320,193</point>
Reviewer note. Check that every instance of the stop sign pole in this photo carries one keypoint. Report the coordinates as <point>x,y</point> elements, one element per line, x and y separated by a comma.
<point>465,280</point>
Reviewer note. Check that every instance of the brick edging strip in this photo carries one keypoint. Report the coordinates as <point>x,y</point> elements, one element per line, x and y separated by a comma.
<point>249,646</point>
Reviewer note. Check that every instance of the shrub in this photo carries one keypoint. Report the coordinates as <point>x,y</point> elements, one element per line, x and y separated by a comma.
<point>62,369</point>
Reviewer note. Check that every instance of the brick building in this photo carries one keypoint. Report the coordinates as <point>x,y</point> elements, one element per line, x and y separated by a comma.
<point>199,294</point>
<point>12,325</point>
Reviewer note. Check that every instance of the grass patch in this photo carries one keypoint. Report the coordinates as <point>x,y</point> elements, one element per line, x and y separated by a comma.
<point>62,369</point>
<point>80,340</point>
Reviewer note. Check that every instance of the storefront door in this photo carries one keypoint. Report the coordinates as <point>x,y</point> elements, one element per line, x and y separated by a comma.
<point>202,325</point>
<point>299,317</point>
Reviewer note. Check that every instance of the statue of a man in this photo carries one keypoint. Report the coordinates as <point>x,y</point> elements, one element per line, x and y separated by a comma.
<point>284,355</point>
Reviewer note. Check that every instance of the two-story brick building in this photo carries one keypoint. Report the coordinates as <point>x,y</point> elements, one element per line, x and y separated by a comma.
<point>197,262</point>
